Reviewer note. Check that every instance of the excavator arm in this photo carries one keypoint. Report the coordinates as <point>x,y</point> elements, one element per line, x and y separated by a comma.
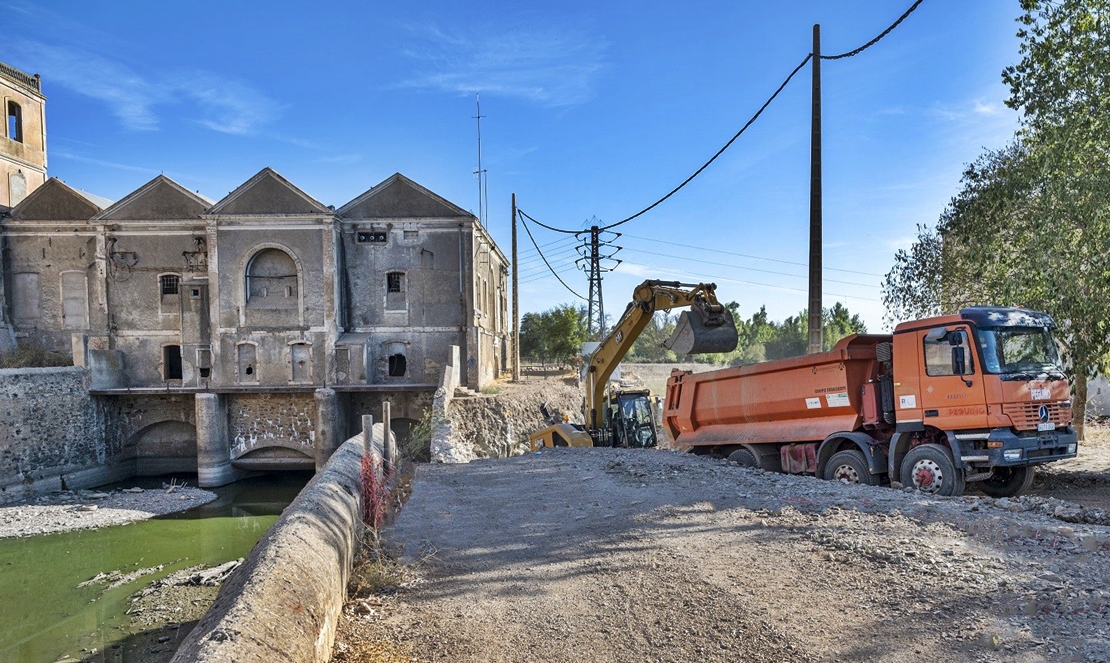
<point>706,327</point>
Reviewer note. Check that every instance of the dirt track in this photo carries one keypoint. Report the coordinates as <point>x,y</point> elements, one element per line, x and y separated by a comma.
<point>613,555</point>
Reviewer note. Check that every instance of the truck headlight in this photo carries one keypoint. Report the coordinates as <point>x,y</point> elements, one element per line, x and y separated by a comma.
<point>1011,454</point>
<point>1071,448</point>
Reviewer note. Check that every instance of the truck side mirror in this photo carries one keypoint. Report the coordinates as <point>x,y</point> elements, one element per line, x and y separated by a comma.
<point>959,361</point>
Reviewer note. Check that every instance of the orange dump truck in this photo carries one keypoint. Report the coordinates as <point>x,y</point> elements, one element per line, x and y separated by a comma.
<point>975,397</point>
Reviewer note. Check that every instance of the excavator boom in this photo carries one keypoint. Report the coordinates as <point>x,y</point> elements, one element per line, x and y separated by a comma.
<point>706,327</point>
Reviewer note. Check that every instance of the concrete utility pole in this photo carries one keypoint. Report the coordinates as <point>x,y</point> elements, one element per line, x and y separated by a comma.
<point>516,304</point>
<point>815,323</point>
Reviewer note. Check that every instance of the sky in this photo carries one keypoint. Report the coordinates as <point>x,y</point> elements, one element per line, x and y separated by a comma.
<point>591,112</point>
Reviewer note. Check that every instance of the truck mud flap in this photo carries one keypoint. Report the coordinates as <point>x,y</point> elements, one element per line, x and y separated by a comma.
<point>695,333</point>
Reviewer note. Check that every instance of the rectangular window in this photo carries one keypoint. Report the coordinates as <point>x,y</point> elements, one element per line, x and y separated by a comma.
<point>170,284</point>
<point>302,362</point>
<point>395,281</point>
<point>27,304</point>
<point>371,236</point>
<point>947,353</point>
<point>15,122</point>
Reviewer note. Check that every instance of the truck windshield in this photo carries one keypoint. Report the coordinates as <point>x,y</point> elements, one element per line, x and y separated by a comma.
<point>1019,353</point>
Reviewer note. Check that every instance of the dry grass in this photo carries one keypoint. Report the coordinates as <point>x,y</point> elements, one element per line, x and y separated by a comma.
<point>1096,435</point>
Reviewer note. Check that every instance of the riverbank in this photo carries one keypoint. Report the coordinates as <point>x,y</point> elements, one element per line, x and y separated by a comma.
<point>68,511</point>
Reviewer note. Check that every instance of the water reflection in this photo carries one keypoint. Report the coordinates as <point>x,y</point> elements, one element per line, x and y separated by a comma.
<point>47,615</point>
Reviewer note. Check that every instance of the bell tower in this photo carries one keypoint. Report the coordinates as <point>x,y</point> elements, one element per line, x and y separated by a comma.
<point>22,136</point>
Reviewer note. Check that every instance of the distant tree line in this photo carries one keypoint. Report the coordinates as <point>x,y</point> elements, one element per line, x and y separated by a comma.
<point>556,336</point>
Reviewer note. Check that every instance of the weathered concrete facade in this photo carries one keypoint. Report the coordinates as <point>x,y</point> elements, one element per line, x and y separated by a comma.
<point>23,136</point>
<point>240,310</point>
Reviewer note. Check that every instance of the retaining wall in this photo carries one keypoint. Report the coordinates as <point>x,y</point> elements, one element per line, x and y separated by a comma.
<point>52,432</point>
<point>284,602</point>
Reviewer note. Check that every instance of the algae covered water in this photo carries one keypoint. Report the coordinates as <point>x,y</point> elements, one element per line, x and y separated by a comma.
<point>49,609</point>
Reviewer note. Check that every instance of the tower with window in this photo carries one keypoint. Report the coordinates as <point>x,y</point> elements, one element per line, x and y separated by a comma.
<point>22,136</point>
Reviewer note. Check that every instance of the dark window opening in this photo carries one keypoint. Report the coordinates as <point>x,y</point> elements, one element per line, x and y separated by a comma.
<point>397,366</point>
<point>195,293</point>
<point>205,372</point>
<point>395,281</point>
<point>15,122</point>
<point>170,284</point>
<point>250,370</point>
<point>171,359</point>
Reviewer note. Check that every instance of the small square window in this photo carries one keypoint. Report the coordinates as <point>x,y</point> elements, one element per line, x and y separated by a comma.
<point>194,293</point>
<point>412,234</point>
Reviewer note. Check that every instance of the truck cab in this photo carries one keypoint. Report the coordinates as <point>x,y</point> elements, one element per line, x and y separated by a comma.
<point>985,386</point>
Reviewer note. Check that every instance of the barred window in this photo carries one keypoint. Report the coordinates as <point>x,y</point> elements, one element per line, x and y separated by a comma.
<point>395,281</point>
<point>170,284</point>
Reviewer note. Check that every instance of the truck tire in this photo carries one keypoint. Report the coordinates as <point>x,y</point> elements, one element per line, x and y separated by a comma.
<point>930,469</point>
<point>849,466</point>
<point>1008,481</point>
<point>743,458</point>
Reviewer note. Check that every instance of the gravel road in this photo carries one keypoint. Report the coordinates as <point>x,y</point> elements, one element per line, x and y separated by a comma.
<point>627,555</point>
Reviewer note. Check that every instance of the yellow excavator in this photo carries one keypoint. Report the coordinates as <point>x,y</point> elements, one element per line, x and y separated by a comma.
<point>625,417</point>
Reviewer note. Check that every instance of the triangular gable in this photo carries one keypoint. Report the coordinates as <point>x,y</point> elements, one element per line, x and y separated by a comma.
<point>268,193</point>
<point>55,201</point>
<point>160,198</point>
<point>400,197</point>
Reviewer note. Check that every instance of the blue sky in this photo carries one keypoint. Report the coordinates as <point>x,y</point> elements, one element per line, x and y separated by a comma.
<point>592,110</point>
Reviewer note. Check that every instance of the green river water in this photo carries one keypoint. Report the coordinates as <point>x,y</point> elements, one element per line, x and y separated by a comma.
<point>45,616</point>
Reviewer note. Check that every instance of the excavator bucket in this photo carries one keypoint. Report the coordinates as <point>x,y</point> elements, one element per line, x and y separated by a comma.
<point>698,333</point>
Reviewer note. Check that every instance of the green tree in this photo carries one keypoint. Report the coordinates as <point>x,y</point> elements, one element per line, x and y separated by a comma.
<point>1031,224</point>
<point>555,335</point>
<point>648,348</point>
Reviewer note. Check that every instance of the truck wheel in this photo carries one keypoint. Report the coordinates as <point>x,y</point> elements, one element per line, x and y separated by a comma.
<point>743,458</point>
<point>849,466</point>
<point>1008,481</point>
<point>930,469</point>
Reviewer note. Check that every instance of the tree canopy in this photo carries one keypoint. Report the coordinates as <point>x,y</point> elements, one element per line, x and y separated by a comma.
<point>1031,224</point>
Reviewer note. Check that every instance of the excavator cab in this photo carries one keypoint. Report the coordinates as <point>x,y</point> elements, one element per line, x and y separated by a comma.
<point>631,420</point>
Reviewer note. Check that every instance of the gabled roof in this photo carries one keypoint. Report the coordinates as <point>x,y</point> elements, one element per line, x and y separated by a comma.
<point>57,201</point>
<point>161,198</point>
<point>268,193</point>
<point>400,197</point>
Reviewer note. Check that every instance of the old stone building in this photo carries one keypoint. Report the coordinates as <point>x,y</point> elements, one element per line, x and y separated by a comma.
<point>23,136</point>
<point>252,332</point>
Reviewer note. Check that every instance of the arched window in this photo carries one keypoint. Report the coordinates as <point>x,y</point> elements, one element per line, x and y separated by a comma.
<point>15,122</point>
<point>397,365</point>
<point>272,280</point>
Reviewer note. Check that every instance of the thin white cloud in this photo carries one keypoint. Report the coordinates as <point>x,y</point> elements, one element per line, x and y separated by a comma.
<point>545,67</point>
<point>223,105</point>
<point>340,159</point>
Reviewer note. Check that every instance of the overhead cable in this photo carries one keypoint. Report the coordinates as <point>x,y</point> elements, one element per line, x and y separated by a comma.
<point>746,255</point>
<point>544,225</point>
<point>876,39</point>
<point>526,229</point>
<point>720,151</point>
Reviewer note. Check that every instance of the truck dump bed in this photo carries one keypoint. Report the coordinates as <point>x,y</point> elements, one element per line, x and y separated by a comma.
<point>803,399</point>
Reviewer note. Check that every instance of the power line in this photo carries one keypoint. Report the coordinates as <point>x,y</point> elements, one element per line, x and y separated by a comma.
<point>876,39</point>
<point>544,225</point>
<point>527,230</point>
<point>767,103</point>
<point>718,277</point>
<point>755,269</point>
<point>746,255</point>
<point>720,151</point>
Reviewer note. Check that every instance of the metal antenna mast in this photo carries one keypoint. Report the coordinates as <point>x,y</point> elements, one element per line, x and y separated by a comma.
<point>483,190</point>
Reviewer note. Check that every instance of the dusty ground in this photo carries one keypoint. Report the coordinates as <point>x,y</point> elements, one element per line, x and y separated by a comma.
<point>626,555</point>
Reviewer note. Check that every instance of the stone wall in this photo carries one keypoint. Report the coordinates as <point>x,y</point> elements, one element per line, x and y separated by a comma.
<point>277,419</point>
<point>51,430</point>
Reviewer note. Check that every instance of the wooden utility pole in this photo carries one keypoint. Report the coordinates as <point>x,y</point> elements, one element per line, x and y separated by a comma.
<point>815,301</point>
<point>516,304</point>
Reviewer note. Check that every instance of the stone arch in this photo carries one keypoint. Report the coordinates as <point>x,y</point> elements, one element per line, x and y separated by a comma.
<point>273,456</point>
<point>271,287</point>
<point>165,447</point>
